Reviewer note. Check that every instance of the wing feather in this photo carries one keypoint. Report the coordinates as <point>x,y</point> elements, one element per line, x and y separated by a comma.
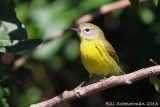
<point>111,51</point>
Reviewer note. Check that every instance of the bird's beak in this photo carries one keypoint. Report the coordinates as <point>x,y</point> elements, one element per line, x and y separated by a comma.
<point>76,29</point>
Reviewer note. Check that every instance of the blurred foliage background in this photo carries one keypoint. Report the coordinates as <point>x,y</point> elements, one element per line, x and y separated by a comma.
<point>133,31</point>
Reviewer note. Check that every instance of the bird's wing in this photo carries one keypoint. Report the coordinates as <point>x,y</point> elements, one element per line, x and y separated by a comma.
<point>111,51</point>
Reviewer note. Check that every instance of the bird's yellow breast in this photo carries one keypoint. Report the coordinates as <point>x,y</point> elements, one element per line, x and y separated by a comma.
<point>96,59</point>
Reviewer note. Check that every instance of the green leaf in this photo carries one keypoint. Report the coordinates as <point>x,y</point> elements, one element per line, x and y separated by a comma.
<point>154,62</point>
<point>49,49</point>
<point>10,74</point>
<point>87,5</point>
<point>58,16</point>
<point>71,49</point>
<point>11,27</point>
<point>13,35</point>
<point>156,82</point>
<point>134,3</point>
<point>146,15</point>
<point>17,46</point>
<point>5,88</point>
<point>32,95</point>
<point>155,2</point>
<point>3,102</point>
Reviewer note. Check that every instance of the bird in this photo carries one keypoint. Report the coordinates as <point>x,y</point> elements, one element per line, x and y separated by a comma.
<point>97,54</point>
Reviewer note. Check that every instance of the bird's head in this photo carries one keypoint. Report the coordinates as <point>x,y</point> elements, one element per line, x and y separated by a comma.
<point>89,31</point>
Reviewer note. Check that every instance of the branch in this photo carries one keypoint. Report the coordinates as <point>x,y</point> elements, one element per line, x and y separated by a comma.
<point>104,9</point>
<point>99,86</point>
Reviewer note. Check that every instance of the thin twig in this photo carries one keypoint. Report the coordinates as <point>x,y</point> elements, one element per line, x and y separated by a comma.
<point>99,86</point>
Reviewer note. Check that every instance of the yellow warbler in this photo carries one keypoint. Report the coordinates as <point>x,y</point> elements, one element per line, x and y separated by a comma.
<point>97,54</point>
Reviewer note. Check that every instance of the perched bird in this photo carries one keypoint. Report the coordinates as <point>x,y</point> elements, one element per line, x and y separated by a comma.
<point>97,54</point>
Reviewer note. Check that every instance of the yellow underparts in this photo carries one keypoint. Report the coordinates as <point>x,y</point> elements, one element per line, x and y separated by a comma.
<point>96,59</point>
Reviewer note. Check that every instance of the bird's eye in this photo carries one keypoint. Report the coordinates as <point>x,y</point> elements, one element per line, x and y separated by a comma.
<point>87,29</point>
